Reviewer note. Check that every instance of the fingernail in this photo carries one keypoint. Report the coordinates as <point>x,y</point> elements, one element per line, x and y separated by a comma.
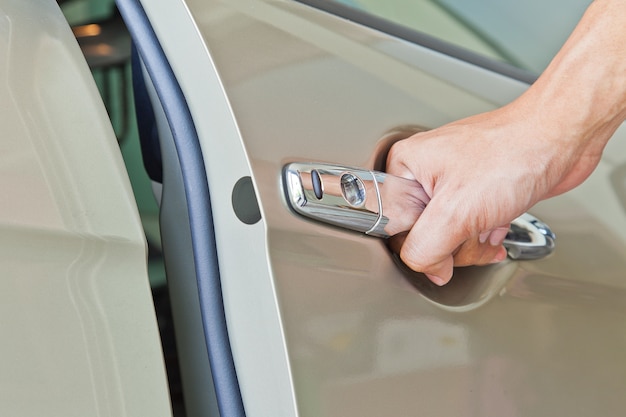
<point>497,236</point>
<point>482,238</point>
<point>437,280</point>
<point>501,256</point>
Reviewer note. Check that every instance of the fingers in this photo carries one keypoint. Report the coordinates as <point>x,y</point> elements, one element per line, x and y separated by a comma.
<point>475,252</point>
<point>483,250</point>
<point>495,237</point>
<point>397,245</point>
<point>429,246</point>
<point>451,229</point>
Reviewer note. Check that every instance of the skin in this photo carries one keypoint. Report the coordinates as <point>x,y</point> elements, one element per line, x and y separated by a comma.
<point>483,171</point>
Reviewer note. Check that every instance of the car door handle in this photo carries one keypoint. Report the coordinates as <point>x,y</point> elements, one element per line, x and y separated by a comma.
<point>529,238</point>
<point>382,205</point>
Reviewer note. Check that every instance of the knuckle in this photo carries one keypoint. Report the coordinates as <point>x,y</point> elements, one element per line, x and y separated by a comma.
<point>394,154</point>
<point>413,260</point>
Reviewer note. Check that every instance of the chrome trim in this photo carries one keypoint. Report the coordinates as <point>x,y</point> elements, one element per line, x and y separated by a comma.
<point>335,208</point>
<point>332,208</point>
<point>529,238</point>
<point>376,229</point>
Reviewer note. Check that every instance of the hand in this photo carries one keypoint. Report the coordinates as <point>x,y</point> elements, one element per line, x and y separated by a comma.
<point>480,173</point>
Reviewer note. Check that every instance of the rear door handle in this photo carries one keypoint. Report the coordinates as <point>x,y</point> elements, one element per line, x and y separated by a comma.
<point>382,205</point>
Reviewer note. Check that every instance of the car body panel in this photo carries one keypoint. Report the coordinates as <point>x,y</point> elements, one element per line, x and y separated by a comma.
<point>331,314</point>
<point>78,326</point>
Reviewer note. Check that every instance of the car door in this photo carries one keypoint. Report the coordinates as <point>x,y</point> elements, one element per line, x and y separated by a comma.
<point>79,333</point>
<point>282,315</point>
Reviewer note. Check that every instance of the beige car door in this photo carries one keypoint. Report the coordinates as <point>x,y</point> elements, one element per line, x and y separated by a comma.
<point>77,324</point>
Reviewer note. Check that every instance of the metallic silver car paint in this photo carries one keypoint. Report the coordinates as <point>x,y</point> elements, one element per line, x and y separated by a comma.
<point>79,334</point>
<point>332,313</point>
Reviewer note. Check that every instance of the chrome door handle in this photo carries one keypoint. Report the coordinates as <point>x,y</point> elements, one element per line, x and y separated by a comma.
<point>529,238</point>
<point>353,198</point>
<point>382,205</point>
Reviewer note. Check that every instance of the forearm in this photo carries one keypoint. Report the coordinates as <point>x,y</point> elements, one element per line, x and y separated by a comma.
<point>582,93</point>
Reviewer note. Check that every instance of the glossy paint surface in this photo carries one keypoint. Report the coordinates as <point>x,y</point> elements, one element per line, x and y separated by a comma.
<point>79,334</point>
<point>352,331</point>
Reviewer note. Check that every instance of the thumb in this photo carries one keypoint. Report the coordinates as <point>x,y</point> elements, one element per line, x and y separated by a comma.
<point>427,249</point>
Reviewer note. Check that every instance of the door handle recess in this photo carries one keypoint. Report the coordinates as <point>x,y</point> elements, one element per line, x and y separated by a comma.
<point>382,205</point>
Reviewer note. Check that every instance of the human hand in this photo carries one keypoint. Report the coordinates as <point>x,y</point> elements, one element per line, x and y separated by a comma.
<point>480,173</point>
